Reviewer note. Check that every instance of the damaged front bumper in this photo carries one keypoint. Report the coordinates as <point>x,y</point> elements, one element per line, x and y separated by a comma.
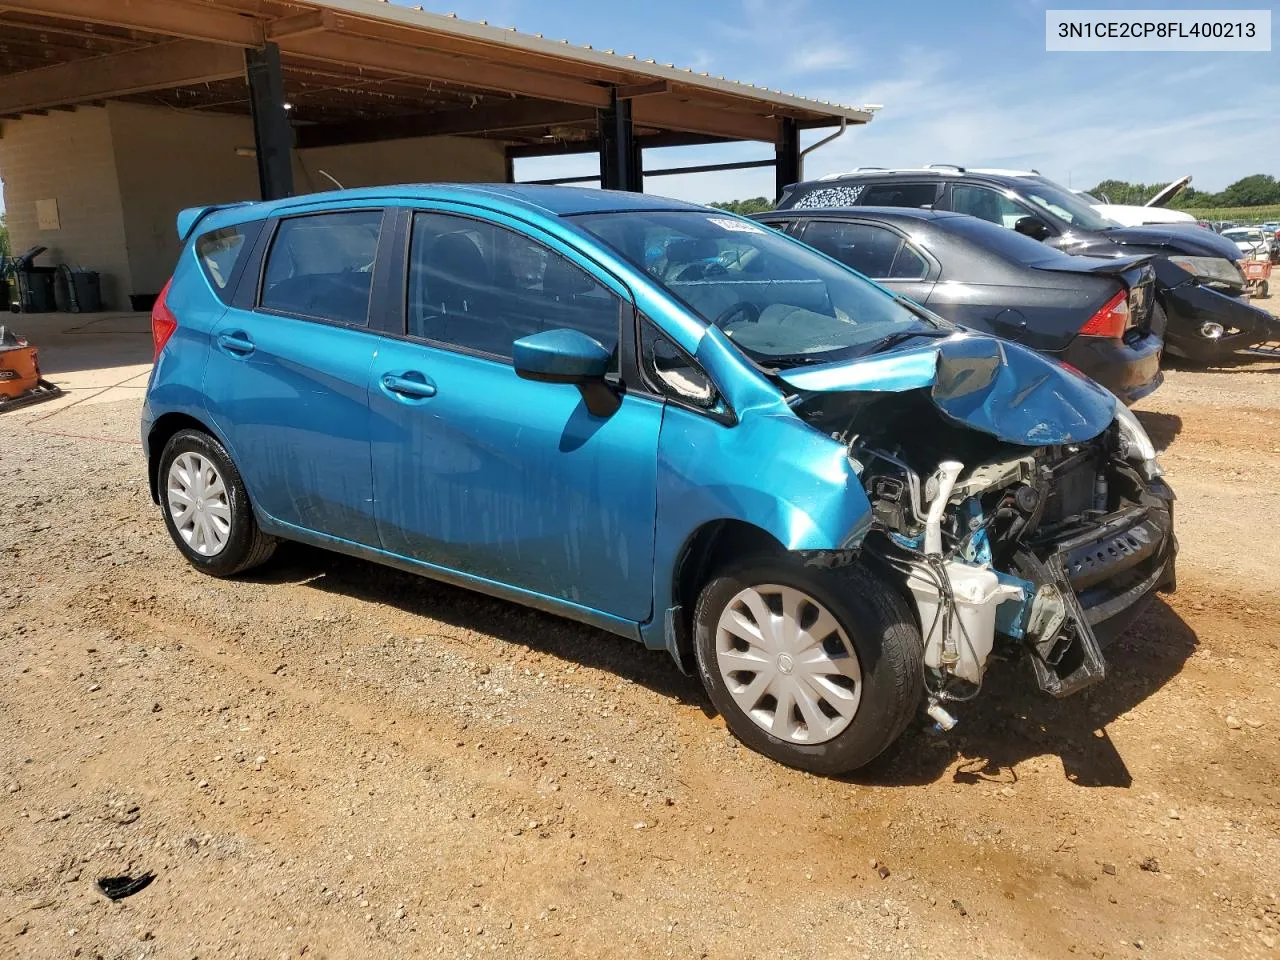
<point>1100,579</point>
<point>1207,325</point>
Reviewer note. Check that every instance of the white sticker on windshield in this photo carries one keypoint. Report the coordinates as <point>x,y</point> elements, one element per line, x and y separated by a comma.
<point>740,226</point>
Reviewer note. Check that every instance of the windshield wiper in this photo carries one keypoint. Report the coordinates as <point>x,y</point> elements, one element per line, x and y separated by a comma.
<point>902,336</point>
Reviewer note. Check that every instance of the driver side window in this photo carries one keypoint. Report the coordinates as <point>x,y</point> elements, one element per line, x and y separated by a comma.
<point>480,287</point>
<point>987,204</point>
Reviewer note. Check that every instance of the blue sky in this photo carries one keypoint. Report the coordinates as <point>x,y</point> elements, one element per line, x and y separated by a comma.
<point>966,83</point>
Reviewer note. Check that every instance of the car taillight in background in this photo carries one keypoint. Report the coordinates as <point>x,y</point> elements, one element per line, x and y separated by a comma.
<point>1112,320</point>
<point>163,322</point>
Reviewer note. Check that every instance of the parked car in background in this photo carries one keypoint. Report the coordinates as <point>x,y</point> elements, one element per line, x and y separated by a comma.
<point>1098,315</point>
<point>1199,283</point>
<point>1135,215</point>
<point>663,420</point>
<point>1252,242</point>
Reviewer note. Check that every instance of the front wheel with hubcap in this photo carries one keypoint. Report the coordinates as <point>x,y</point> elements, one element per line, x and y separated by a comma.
<point>206,507</point>
<point>819,669</point>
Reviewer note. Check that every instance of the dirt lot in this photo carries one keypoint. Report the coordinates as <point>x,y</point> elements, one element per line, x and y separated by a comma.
<point>331,759</point>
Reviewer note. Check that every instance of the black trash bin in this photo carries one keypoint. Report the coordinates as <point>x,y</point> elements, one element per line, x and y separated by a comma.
<point>78,290</point>
<point>35,285</point>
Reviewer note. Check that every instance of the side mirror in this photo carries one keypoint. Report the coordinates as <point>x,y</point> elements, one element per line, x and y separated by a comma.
<point>1033,227</point>
<point>568,356</point>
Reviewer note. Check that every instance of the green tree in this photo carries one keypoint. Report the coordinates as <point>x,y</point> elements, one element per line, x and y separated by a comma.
<point>1251,191</point>
<point>744,207</point>
<point>4,236</point>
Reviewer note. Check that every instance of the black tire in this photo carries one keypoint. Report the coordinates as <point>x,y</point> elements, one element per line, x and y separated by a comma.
<point>246,546</point>
<point>884,635</point>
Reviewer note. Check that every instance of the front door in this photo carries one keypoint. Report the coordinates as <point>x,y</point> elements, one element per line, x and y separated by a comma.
<point>287,380</point>
<point>480,471</point>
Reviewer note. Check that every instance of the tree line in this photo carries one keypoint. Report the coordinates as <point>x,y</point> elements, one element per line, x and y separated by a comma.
<point>1256,190</point>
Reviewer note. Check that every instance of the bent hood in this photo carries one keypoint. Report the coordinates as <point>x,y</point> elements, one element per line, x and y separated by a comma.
<point>990,385</point>
<point>1175,238</point>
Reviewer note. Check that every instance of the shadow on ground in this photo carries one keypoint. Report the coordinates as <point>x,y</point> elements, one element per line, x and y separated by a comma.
<point>1162,428</point>
<point>1012,721</point>
<point>1234,363</point>
<point>468,610</point>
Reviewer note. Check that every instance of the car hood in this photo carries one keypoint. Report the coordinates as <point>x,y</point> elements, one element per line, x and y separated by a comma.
<point>1176,238</point>
<point>1131,216</point>
<point>987,384</point>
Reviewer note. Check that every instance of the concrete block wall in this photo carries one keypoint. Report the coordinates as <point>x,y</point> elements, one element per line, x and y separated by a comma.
<point>170,159</point>
<point>67,157</point>
<point>121,173</point>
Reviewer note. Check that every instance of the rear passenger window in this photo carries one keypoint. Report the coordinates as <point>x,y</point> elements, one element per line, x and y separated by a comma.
<point>321,266</point>
<point>873,251</point>
<point>481,287</point>
<point>218,252</point>
<point>900,195</point>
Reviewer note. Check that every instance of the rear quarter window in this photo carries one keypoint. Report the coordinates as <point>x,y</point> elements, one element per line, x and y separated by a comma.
<point>223,254</point>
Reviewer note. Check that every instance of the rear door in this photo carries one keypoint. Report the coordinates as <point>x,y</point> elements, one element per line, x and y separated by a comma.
<point>875,251</point>
<point>287,379</point>
<point>507,480</point>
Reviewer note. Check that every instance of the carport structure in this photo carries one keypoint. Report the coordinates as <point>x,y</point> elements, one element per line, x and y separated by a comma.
<point>323,73</point>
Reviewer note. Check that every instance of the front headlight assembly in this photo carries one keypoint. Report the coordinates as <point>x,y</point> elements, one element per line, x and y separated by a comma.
<point>1211,269</point>
<point>1135,445</point>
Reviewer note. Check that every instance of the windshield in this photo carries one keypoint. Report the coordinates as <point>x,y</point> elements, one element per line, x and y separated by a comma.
<point>780,302</point>
<point>1064,204</point>
<point>1239,235</point>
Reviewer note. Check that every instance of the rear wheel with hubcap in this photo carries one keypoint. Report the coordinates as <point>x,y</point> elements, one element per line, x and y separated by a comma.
<point>206,507</point>
<point>819,669</point>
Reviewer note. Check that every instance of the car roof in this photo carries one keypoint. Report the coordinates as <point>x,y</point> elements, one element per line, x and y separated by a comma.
<point>541,198</point>
<point>854,213</point>
<point>938,170</point>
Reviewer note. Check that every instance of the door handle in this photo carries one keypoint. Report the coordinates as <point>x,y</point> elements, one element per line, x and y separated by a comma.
<point>237,343</point>
<point>410,384</point>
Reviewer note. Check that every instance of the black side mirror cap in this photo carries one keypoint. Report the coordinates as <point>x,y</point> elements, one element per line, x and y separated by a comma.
<point>1033,227</point>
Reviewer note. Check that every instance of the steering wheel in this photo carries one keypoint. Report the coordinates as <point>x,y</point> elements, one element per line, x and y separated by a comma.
<point>701,271</point>
<point>750,313</point>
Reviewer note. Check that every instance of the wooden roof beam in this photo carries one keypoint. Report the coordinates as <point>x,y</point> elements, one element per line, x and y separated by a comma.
<point>429,65</point>
<point>174,19</point>
<point>490,118</point>
<point>668,113</point>
<point>159,67</point>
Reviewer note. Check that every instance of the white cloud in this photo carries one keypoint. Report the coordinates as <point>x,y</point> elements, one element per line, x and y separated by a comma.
<point>789,36</point>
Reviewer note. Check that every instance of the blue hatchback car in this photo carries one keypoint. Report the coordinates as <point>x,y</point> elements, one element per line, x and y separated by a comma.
<point>660,419</point>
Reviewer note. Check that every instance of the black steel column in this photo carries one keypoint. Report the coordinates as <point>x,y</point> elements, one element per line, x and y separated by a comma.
<point>786,154</point>
<point>619,152</point>
<point>272,134</point>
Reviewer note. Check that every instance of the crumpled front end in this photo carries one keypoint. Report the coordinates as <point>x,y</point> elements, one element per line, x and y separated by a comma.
<point>1042,536</point>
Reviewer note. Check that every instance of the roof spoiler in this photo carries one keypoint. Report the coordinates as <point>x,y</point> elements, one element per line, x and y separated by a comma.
<point>188,218</point>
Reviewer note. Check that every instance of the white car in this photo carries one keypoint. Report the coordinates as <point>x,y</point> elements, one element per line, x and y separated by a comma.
<point>1153,211</point>
<point>1251,241</point>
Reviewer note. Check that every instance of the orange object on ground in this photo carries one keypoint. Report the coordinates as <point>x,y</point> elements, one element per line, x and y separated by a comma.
<point>20,380</point>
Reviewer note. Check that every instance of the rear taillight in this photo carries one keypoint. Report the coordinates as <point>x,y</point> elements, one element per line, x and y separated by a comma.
<point>1111,320</point>
<point>163,322</point>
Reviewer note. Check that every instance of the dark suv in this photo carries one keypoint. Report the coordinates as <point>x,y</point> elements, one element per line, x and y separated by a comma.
<point>1199,285</point>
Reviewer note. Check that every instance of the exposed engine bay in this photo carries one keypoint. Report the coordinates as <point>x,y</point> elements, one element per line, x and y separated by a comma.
<point>1043,550</point>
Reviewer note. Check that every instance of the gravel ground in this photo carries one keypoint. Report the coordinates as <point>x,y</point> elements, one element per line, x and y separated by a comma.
<point>331,759</point>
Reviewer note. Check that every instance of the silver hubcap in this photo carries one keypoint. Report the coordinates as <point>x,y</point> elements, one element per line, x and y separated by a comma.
<point>198,504</point>
<point>788,664</point>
